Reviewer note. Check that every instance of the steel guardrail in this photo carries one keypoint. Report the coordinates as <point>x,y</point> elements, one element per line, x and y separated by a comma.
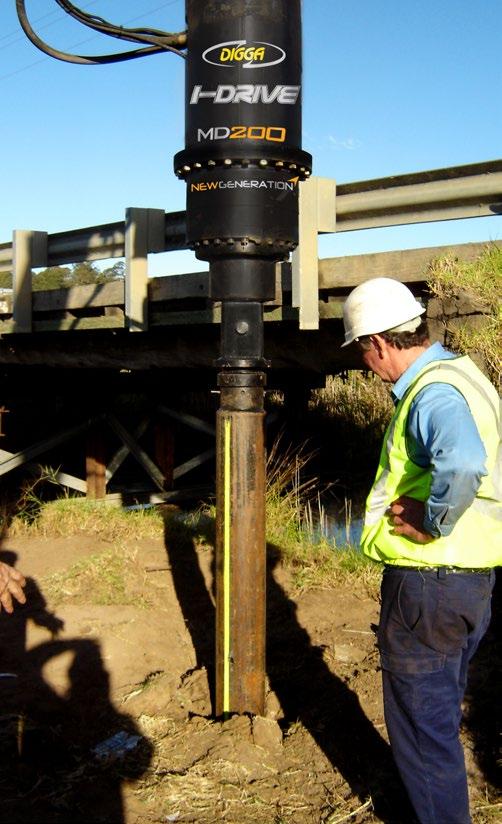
<point>473,190</point>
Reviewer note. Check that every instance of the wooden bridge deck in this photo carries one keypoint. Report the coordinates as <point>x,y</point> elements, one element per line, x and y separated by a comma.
<point>183,325</point>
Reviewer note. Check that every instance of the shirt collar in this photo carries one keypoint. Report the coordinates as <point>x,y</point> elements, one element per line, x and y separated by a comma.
<point>434,352</point>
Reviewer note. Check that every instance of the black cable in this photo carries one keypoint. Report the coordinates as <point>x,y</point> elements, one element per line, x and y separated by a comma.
<point>100,24</point>
<point>155,48</point>
<point>151,36</point>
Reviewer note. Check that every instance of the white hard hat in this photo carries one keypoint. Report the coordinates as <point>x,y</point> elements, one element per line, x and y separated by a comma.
<point>379,305</point>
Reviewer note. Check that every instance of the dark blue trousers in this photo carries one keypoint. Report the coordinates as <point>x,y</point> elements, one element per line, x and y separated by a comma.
<point>430,626</point>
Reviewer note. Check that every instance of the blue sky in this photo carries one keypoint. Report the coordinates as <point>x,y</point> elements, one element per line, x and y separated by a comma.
<point>389,87</point>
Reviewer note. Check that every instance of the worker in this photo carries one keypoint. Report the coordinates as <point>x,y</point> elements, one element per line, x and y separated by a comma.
<point>12,583</point>
<point>433,518</point>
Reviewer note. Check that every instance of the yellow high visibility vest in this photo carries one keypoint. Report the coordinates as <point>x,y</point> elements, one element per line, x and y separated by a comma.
<point>476,539</point>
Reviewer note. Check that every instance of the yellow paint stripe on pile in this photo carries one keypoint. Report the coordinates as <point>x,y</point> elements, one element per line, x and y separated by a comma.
<point>226,563</point>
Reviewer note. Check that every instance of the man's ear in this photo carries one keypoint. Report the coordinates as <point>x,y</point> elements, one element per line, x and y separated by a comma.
<point>378,344</point>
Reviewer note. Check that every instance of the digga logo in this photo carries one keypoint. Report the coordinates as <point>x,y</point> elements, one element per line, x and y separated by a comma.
<point>248,55</point>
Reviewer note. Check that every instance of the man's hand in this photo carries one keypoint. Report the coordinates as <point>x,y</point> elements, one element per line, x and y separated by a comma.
<point>11,585</point>
<point>407,517</point>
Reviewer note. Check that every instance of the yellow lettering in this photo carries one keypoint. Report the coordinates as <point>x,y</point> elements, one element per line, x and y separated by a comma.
<point>248,53</point>
<point>203,187</point>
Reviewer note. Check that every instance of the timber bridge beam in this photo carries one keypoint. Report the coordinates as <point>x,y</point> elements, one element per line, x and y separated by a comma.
<point>182,328</point>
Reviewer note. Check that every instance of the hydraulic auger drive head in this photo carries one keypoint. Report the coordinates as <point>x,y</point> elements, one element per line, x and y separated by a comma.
<point>243,160</point>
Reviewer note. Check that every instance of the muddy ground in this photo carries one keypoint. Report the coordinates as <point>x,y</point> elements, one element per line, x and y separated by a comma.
<point>77,668</point>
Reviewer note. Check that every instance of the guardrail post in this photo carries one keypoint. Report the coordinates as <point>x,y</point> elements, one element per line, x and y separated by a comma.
<point>144,233</point>
<point>29,250</point>
<point>317,213</point>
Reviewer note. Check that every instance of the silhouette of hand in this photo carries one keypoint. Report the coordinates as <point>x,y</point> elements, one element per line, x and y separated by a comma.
<point>407,517</point>
<point>11,585</point>
<point>53,624</point>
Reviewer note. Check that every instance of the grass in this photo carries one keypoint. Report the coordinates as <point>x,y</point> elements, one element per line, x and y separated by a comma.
<point>352,408</point>
<point>481,283</point>
<point>309,552</point>
<point>297,531</point>
<point>486,341</point>
<point>359,400</point>
<point>303,538</point>
<point>100,580</point>
<point>482,278</point>
<point>104,578</point>
<point>347,419</point>
<point>73,516</point>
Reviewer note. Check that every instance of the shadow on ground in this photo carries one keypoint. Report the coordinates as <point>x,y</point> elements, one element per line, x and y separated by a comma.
<point>483,699</point>
<point>306,688</point>
<point>48,770</point>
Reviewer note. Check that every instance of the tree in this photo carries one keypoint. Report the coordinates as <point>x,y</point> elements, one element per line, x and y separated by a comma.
<point>78,274</point>
<point>54,277</point>
<point>115,272</point>
<point>63,277</point>
<point>5,280</point>
<point>84,273</point>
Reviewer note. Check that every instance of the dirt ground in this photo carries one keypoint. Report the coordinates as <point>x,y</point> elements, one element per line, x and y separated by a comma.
<point>76,670</point>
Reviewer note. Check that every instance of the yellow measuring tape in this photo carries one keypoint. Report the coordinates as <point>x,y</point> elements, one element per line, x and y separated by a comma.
<point>227,438</point>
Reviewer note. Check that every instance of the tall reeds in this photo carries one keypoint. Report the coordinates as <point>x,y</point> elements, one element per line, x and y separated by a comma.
<point>299,527</point>
<point>477,285</point>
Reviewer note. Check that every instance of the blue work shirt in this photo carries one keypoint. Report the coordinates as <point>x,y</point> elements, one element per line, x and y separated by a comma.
<point>441,433</point>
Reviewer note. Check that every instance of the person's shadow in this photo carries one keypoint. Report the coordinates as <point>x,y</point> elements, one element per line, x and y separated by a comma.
<point>306,688</point>
<point>191,590</point>
<point>50,769</point>
<point>13,628</point>
<point>483,716</point>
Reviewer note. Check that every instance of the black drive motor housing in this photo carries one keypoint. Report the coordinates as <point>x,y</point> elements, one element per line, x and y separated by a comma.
<point>243,159</point>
